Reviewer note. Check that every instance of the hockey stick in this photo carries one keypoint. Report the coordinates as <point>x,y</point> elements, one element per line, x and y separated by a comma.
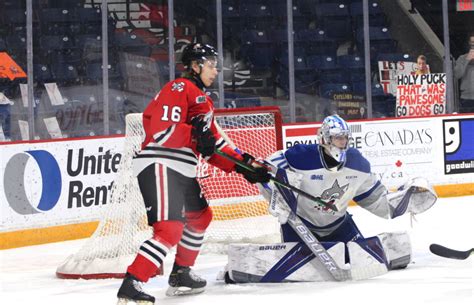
<point>450,253</point>
<point>279,182</point>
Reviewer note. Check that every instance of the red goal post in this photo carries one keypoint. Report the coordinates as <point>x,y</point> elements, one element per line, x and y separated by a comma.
<point>240,212</point>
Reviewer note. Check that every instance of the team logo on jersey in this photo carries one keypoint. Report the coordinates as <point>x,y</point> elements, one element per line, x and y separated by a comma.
<point>458,146</point>
<point>334,192</point>
<point>177,87</point>
<point>49,177</point>
<point>200,99</point>
<point>316,177</point>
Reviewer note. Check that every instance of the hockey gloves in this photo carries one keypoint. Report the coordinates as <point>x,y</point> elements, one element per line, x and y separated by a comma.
<point>201,132</point>
<point>257,175</point>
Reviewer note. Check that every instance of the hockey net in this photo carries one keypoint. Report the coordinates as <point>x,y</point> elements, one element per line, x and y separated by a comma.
<point>240,212</point>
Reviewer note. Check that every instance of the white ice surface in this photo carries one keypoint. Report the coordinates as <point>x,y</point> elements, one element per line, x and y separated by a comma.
<point>28,274</point>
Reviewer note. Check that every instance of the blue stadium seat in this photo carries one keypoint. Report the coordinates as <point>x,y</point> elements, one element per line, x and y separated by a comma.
<point>357,10</point>
<point>256,16</point>
<point>316,35</point>
<point>394,57</point>
<point>350,61</point>
<point>253,10</point>
<point>236,100</point>
<point>49,42</point>
<point>379,33</point>
<point>56,15</point>
<point>261,57</point>
<point>299,62</point>
<point>377,90</point>
<point>3,45</point>
<point>13,4</point>
<point>94,73</point>
<point>16,42</point>
<point>67,56</point>
<point>15,16</point>
<point>279,9</point>
<point>131,43</point>
<point>230,11</point>
<point>357,75</point>
<point>304,82</point>
<point>380,40</point>
<point>317,42</point>
<point>334,76</point>
<point>331,10</point>
<point>374,20</point>
<point>281,36</point>
<point>359,87</point>
<point>232,22</point>
<point>87,15</point>
<point>338,28</point>
<point>320,62</point>
<point>64,74</point>
<point>90,42</point>
<point>42,73</point>
<point>328,90</point>
<point>256,37</point>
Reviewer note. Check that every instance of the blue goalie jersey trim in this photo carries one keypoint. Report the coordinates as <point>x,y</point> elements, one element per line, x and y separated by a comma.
<point>307,157</point>
<point>304,157</point>
<point>356,161</point>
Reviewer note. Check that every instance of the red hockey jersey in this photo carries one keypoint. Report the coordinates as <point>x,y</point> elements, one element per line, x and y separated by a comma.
<point>167,124</point>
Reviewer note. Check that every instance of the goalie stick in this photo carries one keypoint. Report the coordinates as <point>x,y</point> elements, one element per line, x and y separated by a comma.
<point>450,253</point>
<point>281,183</point>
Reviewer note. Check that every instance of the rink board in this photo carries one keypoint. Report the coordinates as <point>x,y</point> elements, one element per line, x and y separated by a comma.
<point>35,210</point>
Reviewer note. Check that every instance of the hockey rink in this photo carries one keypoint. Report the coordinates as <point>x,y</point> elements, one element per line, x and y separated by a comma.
<point>28,274</point>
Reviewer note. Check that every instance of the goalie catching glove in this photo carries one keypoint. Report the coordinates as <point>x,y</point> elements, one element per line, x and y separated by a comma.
<point>414,197</point>
<point>258,174</point>
<point>201,132</point>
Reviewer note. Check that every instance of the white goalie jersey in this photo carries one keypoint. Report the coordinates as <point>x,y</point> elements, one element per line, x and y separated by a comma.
<point>350,181</point>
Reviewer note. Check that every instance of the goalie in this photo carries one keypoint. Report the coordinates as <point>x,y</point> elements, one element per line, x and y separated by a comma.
<point>337,174</point>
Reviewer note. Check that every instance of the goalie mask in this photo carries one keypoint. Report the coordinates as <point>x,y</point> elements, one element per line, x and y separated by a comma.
<point>334,137</point>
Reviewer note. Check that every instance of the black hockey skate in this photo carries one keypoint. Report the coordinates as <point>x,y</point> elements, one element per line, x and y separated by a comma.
<point>184,281</point>
<point>131,291</point>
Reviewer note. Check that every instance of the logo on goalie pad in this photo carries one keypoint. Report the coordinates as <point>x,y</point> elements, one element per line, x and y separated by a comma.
<point>317,247</point>
<point>49,178</point>
<point>272,247</point>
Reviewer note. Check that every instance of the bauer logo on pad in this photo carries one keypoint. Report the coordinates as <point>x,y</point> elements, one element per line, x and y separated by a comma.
<point>458,146</point>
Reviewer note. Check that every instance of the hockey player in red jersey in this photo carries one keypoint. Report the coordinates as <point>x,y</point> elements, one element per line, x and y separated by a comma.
<point>179,126</point>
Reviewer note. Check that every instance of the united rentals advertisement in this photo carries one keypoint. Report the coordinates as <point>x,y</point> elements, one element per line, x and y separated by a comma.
<point>56,182</point>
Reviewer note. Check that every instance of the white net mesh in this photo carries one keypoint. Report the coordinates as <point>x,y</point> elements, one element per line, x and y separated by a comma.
<point>240,212</point>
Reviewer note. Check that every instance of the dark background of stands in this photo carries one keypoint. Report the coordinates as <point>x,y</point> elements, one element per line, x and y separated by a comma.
<point>328,55</point>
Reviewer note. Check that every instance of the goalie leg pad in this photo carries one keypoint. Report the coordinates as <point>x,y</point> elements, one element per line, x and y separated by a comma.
<point>367,258</point>
<point>283,262</point>
<point>397,247</point>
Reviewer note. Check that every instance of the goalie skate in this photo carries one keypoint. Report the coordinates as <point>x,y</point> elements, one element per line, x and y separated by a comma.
<point>183,281</point>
